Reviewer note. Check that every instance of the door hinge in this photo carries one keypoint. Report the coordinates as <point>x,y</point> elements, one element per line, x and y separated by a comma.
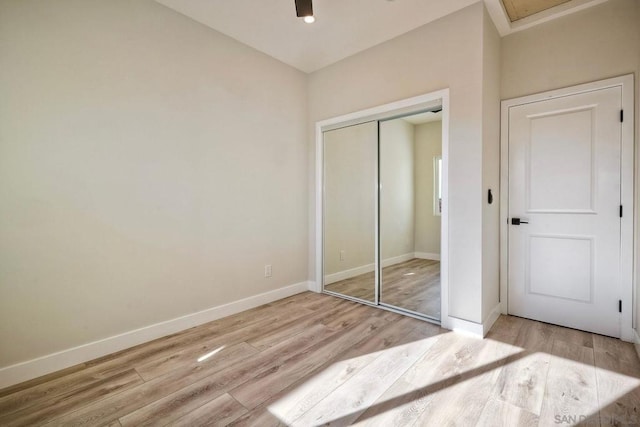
<point>621,116</point>
<point>620,211</point>
<point>619,306</point>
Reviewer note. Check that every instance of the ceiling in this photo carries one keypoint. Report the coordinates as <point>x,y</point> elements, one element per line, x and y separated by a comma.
<point>342,27</point>
<point>346,27</point>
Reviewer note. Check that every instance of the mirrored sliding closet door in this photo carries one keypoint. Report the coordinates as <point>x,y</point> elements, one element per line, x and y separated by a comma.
<point>381,210</point>
<point>410,174</point>
<point>350,192</point>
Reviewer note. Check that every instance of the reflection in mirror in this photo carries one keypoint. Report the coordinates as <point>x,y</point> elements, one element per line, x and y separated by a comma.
<point>350,165</point>
<point>410,208</point>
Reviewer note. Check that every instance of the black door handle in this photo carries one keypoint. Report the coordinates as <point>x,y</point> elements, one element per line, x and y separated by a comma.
<point>518,221</point>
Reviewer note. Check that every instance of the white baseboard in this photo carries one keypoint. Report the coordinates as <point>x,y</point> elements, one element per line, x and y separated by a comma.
<point>397,259</point>
<point>427,255</point>
<point>30,369</point>
<point>636,344</point>
<point>353,272</point>
<point>347,274</point>
<point>491,319</point>
<point>479,330</point>
<point>313,286</point>
<point>465,326</point>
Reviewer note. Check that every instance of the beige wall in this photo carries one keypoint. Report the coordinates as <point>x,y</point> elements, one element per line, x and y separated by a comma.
<point>490,167</point>
<point>446,53</point>
<point>149,168</point>
<point>397,189</point>
<point>350,159</point>
<point>428,145</point>
<point>597,43</point>
<point>593,44</point>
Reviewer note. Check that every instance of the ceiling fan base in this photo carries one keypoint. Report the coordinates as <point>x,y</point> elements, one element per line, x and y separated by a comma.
<point>304,8</point>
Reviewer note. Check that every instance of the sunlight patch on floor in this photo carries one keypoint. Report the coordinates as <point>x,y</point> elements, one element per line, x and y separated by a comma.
<point>614,385</point>
<point>208,355</point>
<point>431,376</point>
<point>345,389</point>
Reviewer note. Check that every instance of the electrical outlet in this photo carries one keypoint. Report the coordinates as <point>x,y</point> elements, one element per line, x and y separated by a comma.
<point>267,270</point>
<point>343,255</point>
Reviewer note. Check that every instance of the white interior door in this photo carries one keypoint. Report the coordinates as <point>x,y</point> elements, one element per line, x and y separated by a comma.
<point>564,181</point>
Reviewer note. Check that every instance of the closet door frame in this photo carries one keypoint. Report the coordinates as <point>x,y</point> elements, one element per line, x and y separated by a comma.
<point>384,112</point>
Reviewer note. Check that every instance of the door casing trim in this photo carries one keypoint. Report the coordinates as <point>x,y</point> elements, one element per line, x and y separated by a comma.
<point>628,240</point>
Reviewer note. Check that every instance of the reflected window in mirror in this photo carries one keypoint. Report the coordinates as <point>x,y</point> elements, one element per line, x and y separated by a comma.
<point>437,185</point>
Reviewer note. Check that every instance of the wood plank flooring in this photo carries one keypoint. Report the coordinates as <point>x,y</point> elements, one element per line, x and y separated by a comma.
<point>318,360</point>
<point>412,285</point>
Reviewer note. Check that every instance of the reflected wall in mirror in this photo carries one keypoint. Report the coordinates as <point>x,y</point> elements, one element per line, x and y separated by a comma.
<point>410,191</point>
<point>350,181</point>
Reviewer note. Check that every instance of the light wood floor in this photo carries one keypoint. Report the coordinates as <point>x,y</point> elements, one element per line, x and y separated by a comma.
<point>413,285</point>
<point>314,359</point>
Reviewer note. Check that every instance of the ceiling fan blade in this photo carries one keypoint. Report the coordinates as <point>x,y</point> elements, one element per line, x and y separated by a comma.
<point>304,8</point>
